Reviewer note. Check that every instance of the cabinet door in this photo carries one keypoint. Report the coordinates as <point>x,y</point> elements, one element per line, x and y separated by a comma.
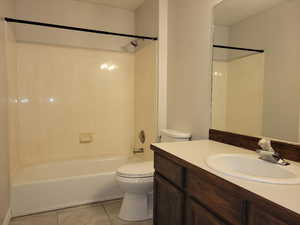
<point>197,215</point>
<point>259,216</point>
<point>220,197</point>
<point>168,203</point>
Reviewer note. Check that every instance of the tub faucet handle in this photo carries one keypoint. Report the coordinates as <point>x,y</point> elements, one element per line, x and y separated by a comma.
<point>138,150</point>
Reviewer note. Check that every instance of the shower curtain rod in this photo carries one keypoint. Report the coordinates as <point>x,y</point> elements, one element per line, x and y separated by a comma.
<point>11,20</point>
<point>243,49</point>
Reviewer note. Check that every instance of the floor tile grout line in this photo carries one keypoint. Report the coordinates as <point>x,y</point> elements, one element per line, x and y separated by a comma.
<point>106,212</point>
<point>57,219</point>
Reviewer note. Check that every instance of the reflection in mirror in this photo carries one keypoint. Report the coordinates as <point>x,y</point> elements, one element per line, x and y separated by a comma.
<point>256,88</point>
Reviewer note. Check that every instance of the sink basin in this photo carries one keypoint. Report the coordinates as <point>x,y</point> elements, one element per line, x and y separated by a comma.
<point>250,167</point>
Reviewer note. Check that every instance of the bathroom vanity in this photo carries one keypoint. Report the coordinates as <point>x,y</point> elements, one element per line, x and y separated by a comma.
<point>188,192</point>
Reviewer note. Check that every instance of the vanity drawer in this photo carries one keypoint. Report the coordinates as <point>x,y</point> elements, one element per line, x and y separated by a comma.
<point>220,199</point>
<point>169,170</point>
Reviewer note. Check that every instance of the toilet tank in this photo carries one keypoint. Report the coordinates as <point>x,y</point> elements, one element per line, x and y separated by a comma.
<point>168,135</point>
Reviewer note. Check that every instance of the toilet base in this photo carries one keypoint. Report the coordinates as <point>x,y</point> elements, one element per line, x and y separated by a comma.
<point>136,207</point>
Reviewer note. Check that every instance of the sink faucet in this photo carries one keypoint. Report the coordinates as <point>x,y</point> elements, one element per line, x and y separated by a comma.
<point>267,153</point>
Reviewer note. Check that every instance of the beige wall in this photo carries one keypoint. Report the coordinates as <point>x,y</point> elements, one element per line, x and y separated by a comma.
<point>221,37</point>
<point>65,93</point>
<point>189,66</point>
<point>219,95</point>
<point>7,8</point>
<point>146,18</point>
<point>244,98</point>
<point>78,14</point>
<point>146,96</point>
<point>276,31</point>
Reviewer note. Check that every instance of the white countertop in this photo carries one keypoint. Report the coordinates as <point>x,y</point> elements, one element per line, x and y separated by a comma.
<point>196,152</point>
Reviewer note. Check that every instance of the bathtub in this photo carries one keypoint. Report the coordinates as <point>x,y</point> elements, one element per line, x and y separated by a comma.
<point>59,185</point>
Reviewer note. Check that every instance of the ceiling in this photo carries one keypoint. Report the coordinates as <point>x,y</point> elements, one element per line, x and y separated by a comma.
<point>230,12</point>
<point>123,4</point>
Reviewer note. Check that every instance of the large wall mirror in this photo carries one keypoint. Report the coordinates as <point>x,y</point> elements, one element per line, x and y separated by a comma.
<point>256,68</point>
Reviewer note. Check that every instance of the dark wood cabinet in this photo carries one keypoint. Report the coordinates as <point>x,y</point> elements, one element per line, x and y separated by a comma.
<point>225,202</point>
<point>168,203</point>
<point>188,195</point>
<point>169,169</point>
<point>258,216</point>
<point>198,215</point>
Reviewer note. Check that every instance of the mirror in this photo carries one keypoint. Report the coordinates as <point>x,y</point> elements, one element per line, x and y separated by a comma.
<point>256,76</point>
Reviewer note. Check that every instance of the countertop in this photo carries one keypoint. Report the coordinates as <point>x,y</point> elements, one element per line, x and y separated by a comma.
<point>196,152</point>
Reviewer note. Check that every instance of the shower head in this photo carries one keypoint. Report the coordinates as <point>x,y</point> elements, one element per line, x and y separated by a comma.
<point>131,46</point>
<point>134,43</point>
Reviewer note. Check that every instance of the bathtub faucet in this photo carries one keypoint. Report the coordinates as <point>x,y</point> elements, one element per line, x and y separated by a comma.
<point>138,150</point>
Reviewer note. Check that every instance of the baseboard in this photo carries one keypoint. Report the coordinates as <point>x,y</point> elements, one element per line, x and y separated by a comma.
<point>7,217</point>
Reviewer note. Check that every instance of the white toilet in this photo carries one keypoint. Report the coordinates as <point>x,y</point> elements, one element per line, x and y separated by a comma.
<point>136,180</point>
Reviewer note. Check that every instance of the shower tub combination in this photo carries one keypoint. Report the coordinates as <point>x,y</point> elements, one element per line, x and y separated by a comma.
<point>59,185</point>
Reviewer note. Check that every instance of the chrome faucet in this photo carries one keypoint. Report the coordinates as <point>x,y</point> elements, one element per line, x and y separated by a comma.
<point>267,153</point>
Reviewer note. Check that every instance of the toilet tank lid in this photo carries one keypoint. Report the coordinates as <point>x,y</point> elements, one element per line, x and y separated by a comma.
<point>143,169</point>
<point>175,134</point>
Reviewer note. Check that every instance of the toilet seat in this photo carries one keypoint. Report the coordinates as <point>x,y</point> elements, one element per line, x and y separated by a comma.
<point>136,180</point>
<point>137,170</point>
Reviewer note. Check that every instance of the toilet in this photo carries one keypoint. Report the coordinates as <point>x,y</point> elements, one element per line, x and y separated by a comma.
<point>136,181</point>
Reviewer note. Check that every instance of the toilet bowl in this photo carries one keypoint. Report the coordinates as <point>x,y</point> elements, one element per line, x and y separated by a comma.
<point>136,180</point>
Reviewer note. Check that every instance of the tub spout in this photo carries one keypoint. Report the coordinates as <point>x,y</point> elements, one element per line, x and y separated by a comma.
<point>138,150</point>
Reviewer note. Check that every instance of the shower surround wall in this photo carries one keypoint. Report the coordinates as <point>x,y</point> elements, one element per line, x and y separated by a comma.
<point>65,93</point>
<point>246,77</point>
<point>66,86</point>
<point>145,97</point>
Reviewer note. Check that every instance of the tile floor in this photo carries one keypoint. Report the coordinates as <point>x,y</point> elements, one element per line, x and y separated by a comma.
<point>105,213</point>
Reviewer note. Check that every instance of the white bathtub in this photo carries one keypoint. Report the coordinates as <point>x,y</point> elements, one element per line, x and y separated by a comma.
<point>59,185</point>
